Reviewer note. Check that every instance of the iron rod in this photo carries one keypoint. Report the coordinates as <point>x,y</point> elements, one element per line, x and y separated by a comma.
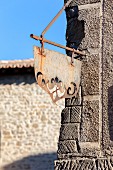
<point>55,44</point>
<point>54,19</point>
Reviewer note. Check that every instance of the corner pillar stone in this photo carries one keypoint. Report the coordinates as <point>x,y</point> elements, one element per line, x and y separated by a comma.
<point>86,133</point>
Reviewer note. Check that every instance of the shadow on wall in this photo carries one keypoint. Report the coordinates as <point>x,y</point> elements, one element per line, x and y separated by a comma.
<point>75,31</point>
<point>36,162</point>
<point>110,111</point>
<point>17,79</point>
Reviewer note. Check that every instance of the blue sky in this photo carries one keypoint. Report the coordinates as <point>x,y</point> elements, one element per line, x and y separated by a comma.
<point>20,18</point>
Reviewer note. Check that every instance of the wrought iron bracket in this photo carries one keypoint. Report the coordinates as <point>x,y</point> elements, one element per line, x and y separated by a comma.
<point>58,45</point>
<point>43,40</point>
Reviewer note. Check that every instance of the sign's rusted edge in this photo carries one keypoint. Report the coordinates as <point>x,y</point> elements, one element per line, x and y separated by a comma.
<point>57,83</point>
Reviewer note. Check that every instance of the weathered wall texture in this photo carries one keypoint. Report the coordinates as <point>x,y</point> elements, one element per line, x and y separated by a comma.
<point>86,111</point>
<point>107,75</point>
<point>30,125</point>
<point>86,133</point>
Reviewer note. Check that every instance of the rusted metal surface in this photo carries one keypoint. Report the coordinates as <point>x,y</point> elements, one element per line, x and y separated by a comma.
<point>54,19</point>
<point>42,39</point>
<point>55,44</point>
<point>56,75</point>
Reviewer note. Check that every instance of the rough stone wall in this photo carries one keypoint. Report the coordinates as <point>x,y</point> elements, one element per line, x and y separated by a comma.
<point>90,118</point>
<point>107,76</point>
<point>80,131</point>
<point>86,133</point>
<point>30,125</point>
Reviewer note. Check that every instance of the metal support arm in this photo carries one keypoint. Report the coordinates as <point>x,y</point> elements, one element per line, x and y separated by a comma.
<point>55,44</point>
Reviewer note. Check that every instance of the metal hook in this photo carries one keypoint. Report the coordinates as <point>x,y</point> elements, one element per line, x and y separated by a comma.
<point>72,58</point>
<point>42,44</point>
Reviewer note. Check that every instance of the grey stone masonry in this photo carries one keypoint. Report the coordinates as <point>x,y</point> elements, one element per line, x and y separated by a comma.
<point>86,133</point>
<point>84,164</point>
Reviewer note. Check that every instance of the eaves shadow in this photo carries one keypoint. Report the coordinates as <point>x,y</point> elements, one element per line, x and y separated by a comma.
<point>17,78</point>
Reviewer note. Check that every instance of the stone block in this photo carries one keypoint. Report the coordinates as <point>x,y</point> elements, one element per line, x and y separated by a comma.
<point>84,164</point>
<point>109,152</point>
<point>107,75</point>
<point>69,131</point>
<point>75,114</point>
<point>90,75</point>
<point>105,164</point>
<point>80,164</point>
<point>82,2</point>
<point>90,149</point>
<point>91,18</point>
<point>86,149</point>
<point>68,146</point>
<point>65,115</point>
<point>90,122</point>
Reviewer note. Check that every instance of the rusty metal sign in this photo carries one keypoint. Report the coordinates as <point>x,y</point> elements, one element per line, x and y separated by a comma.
<point>55,74</point>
